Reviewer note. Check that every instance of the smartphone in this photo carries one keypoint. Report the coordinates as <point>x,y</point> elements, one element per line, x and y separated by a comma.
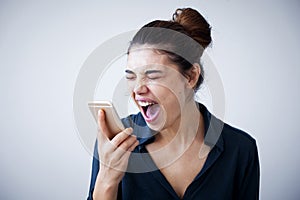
<point>113,121</point>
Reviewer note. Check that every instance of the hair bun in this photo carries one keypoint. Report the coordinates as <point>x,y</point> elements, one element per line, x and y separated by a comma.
<point>195,24</point>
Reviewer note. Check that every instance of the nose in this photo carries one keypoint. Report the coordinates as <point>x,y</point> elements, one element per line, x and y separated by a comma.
<point>140,88</point>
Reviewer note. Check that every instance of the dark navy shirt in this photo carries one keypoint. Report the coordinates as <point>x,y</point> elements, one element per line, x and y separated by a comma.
<point>231,170</point>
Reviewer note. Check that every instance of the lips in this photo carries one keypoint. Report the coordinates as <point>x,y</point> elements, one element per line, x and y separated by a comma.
<point>149,108</point>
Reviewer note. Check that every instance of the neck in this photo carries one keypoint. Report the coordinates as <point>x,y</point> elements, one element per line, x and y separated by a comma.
<point>171,143</point>
<point>184,130</point>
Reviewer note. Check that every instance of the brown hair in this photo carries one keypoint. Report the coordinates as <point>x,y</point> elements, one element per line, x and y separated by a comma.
<point>183,39</point>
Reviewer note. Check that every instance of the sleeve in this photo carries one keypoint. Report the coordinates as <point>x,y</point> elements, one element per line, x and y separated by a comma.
<point>250,177</point>
<point>95,170</point>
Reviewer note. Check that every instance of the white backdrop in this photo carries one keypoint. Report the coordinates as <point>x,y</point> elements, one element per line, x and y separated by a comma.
<point>43,45</point>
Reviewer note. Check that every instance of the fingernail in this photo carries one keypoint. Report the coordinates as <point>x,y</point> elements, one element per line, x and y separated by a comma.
<point>100,112</point>
<point>129,130</point>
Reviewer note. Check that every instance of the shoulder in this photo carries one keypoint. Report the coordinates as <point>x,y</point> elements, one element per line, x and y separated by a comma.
<point>239,141</point>
<point>238,136</point>
<point>223,135</point>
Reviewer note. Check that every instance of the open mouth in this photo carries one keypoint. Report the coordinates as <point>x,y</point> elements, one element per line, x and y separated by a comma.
<point>150,109</point>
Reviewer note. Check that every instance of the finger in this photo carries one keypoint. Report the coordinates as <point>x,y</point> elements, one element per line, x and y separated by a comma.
<point>123,162</point>
<point>119,138</point>
<point>126,144</point>
<point>121,153</point>
<point>132,147</point>
<point>102,125</point>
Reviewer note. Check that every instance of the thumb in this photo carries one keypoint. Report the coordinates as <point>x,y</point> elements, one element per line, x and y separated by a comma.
<point>103,132</point>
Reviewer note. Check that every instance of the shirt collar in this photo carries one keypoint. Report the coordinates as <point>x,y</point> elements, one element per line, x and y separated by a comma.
<point>213,128</point>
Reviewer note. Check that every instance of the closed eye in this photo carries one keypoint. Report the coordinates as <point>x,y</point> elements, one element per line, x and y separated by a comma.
<point>154,74</point>
<point>153,77</point>
<point>130,75</point>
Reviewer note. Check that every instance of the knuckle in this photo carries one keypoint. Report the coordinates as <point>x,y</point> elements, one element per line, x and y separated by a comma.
<point>129,142</point>
<point>126,145</point>
<point>116,140</point>
<point>119,138</point>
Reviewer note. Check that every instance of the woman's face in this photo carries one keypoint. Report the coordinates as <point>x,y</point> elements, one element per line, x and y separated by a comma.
<point>157,87</point>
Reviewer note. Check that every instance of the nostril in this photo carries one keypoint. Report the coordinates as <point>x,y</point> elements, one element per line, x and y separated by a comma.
<point>140,89</point>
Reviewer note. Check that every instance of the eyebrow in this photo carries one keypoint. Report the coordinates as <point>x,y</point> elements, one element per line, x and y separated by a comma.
<point>129,71</point>
<point>153,71</point>
<point>147,72</point>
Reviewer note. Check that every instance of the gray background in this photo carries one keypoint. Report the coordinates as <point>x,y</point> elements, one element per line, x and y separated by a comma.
<point>43,45</point>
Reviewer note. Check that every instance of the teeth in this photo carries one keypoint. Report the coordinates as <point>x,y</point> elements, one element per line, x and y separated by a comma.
<point>145,103</point>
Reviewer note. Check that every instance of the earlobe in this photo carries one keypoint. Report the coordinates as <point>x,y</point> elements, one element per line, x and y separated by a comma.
<point>194,74</point>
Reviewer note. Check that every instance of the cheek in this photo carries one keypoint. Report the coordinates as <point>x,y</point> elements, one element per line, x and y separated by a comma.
<point>169,98</point>
<point>157,91</point>
<point>177,83</point>
<point>167,91</point>
<point>130,84</point>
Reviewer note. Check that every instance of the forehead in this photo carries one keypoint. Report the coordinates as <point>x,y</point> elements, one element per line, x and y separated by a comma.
<point>139,59</point>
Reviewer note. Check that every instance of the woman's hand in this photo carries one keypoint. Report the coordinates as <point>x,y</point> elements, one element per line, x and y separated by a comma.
<point>113,157</point>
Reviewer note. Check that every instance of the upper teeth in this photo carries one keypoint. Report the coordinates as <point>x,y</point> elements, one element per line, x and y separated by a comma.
<point>145,103</point>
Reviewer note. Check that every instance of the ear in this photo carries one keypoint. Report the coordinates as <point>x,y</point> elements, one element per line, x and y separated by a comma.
<point>193,75</point>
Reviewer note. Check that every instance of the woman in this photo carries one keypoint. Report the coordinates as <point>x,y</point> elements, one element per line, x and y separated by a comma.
<point>174,148</point>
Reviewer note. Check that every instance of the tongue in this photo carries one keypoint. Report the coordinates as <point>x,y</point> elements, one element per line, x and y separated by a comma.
<point>152,111</point>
